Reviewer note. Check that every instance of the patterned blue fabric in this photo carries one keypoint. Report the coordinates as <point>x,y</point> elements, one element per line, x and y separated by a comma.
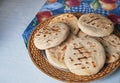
<point>60,6</point>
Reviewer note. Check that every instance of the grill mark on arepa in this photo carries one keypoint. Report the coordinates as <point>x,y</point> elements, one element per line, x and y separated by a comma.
<point>55,29</point>
<point>75,48</point>
<point>38,34</point>
<point>71,59</point>
<point>77,64</point>
<point>118,44</point>
<point>44,35</point>
<point>64,48</point>
<point>114,56</point>
<point>83,67</point>
<point>74,53</point>
<point>91,44</point>
<point>93,63</point>
<point>93,23</point>
<point>48,40</point>
<point>92,20</point>
<point>80,50</point>
<point>83,57</point>
<point>87,62</point>
<point>94,51</point>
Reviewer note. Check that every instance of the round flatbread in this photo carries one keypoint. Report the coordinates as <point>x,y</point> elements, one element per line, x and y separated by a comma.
<point>111,44</point>
<point>51,36</point>
<point>69,19</point>
<point>85,56</point>
<point>56,54</point>
<point>95,25</point>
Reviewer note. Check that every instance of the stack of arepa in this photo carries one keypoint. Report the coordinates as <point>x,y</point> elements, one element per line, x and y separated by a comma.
<point>81,45</point>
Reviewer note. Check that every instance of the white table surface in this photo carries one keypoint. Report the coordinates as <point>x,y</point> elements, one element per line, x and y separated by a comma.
<point>15,63</point>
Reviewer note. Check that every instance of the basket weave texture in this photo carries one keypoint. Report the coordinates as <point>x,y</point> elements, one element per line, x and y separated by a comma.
<point>40,61</point>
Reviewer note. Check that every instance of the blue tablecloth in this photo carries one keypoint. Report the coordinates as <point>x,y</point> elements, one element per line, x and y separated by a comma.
<point>54,7</point>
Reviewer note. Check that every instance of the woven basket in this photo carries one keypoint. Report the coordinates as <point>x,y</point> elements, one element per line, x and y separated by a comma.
<point>40,61</point>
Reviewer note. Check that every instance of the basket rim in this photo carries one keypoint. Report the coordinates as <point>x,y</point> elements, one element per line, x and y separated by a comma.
<point>48,74</point>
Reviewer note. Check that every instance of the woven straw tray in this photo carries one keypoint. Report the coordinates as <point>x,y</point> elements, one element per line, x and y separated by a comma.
<point>41,62</point>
